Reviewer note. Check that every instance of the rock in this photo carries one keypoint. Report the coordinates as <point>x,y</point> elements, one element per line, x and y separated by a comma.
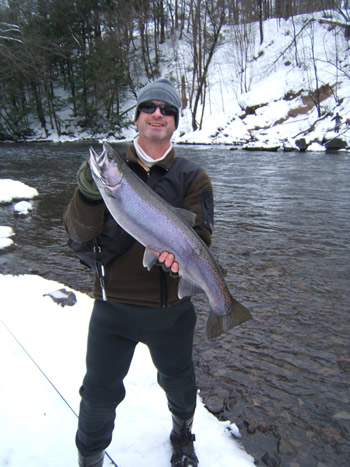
<point>286,447</point>
<point>272,460</point>
<point>342,415</point>
<point>302,144</point>
<point>214,404</point>
<point>230,402</point>
<point>335,144</point>
<point>62,297</point>
<point>250,421</point>
<point>260,146</point>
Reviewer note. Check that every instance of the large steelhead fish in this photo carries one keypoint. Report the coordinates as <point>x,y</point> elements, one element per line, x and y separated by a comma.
<point>158,226</point>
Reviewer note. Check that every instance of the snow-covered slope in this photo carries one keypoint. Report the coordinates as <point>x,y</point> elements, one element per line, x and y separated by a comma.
<point>264,95</point>
<point>277,108</point>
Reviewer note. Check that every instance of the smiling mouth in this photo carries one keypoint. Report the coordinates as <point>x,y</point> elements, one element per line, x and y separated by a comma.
<point>156,125</point>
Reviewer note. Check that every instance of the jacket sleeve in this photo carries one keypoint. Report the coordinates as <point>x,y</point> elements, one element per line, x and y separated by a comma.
<point>83,219</point>
<point>199,199</point>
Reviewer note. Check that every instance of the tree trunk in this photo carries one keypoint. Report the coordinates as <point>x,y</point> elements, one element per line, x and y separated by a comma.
<point>39,107</point>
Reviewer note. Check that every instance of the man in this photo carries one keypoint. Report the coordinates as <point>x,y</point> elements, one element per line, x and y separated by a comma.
<point>338,120</point>
<point>141,305</point>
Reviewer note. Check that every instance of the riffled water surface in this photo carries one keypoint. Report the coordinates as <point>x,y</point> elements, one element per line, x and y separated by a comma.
<point>282,232</point>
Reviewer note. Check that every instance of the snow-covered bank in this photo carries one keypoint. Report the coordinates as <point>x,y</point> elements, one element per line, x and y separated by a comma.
<point>43,359</point>
<point>267,102</point>
<point>276,105</point>
<point>43,348</point>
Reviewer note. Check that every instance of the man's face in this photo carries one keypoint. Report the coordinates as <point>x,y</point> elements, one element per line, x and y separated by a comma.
<point>155,127</point>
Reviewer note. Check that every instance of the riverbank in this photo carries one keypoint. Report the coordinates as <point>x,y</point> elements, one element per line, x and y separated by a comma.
<point>329,141</point>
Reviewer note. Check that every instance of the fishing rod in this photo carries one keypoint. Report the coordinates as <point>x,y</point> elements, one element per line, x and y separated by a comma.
<point>47,379</point>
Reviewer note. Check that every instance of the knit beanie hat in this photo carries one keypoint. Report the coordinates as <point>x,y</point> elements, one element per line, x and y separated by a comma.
<point>160,90</point>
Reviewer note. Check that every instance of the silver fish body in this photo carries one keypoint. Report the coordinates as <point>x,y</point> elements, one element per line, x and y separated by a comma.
<point>158,226</point>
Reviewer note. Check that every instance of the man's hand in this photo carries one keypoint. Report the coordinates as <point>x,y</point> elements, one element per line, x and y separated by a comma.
<point>86,183</point>
<point>167,260</point>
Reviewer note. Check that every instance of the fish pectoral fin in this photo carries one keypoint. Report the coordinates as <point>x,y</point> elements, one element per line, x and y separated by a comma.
<point>188,288</point>
<point>150,258</point>
<point>188,216</point>
<point>217,325</point>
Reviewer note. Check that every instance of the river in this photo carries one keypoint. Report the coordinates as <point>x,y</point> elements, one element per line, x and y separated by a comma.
<point>282,232</point>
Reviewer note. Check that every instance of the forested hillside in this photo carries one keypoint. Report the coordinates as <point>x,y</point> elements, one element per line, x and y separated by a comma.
<point>68,66</point>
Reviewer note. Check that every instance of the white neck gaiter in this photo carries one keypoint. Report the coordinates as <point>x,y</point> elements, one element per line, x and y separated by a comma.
<point>145,158</point>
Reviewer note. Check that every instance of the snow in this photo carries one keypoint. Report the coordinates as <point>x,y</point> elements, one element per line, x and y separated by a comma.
<point>316,147</point>
<point>43,346</point>
<point>9,191</point>
<point>274,78</point>
<point>12,189</point>
<point>43,355</point>
<point>272,73</point>
<point>23,208</point>
<point>5,234</point>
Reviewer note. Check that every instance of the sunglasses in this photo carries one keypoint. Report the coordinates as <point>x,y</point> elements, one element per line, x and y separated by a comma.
<point>165,109</point>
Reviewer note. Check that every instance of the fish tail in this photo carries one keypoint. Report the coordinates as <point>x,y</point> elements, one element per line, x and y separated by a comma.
<point>216,325</point>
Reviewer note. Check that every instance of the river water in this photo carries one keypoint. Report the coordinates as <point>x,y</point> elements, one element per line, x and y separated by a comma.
<point>282,232</point>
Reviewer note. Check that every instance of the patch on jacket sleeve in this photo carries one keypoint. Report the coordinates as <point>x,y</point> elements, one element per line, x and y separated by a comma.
<point>207,208</point>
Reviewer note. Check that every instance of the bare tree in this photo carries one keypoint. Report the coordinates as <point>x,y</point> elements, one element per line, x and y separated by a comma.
<point>243,43</point>
<point>208,18</point>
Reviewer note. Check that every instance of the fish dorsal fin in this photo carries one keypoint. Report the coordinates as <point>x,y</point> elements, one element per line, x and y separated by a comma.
<point>188,288</point>
<point>188,216</point>
<point>150,258</point>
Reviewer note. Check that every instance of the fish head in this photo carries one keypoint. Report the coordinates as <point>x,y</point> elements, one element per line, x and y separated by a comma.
<point>106,170</point>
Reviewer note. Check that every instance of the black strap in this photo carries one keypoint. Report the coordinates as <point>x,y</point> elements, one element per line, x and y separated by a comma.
<point>100,270</point>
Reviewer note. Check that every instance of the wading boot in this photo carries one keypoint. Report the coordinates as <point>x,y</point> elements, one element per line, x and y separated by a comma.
<point>181,438</point>
<point>91,461</point>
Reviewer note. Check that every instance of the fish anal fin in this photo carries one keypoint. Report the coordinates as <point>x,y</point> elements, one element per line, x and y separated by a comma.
<point>188,288</point>
<point>217,325</point>
<point>150,257</point>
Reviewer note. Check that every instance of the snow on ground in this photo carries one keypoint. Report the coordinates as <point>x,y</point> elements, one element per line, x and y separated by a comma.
<point>43,361</point>
<point>269,74</point>
<point>257,93</point>
<point>43,347</point>
<point>43,344</point>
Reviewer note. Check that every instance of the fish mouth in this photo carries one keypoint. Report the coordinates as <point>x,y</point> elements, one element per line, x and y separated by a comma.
<point>96,161</point>
<point>100,165</point>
